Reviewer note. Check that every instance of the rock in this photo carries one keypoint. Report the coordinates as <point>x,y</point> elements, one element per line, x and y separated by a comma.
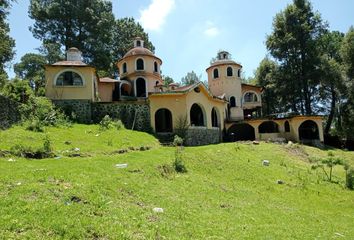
<point>280,181</point>
<point>255,143</point>
<point>290,143</point>
<point>11,160</point>
<point>67,142</point>
<point>265,163</point>
<point>122,165</point>
<point>158,210</point>
<point>76,149</point>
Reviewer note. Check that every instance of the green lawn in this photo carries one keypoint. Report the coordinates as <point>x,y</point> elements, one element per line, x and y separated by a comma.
<point>226,193</point>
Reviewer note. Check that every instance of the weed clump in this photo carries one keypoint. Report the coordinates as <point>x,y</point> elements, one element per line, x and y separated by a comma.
<point>178,163</point>
<point>46,151</point>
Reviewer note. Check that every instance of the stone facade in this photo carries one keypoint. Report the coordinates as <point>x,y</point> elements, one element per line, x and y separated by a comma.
<point>80,110</point>
<point>134,113</point>
<point>197,136</point>
<point>9,112</point>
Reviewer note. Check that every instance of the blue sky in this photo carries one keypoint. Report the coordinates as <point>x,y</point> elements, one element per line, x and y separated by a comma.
<point>188,33</point>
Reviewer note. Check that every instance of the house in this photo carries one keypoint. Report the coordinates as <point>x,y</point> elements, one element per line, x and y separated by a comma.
<point>227,109</point>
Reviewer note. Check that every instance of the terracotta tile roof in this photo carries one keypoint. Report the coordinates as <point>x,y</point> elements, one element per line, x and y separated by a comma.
<point>108,80</point>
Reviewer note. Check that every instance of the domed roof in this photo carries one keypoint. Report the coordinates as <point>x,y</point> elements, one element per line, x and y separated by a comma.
<point>138,51</point>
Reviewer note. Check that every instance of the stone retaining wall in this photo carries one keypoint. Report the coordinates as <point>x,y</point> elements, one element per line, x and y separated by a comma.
<point>9,112</point>
<point>126,112</point>
<point>197,136</point>
<point>80,110</point>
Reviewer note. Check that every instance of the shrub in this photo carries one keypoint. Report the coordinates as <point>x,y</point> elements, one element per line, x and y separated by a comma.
<point>329,162</point>
<point>349,177</point>
<point>178,163</point>
<point>34,125</point>
<point>107,123</point>
<point>28,152</point>
<point>177,141</point>
<point>182,126</point>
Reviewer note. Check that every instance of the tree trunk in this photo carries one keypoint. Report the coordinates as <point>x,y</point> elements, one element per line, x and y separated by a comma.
<point>332,111</point>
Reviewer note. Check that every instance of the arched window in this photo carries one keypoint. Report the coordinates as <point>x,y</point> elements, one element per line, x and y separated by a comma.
<point>250,97</point>
<point>232,101</point>
<point>239,73</point>
<point>156,67</point>
<point>197,116</point>
<point>138,43</point>
<point>140,87</point>
<point>268,127</point>
<point>229,72</point>
<point>216,73</point>
<point>124,67</point>
<point>163,120</point>
<point>69,78</point>
<point>140,64</point>
<point>287,126</point>
<point>214,118</point>
<point>308,130</point>
<point>157,83</point>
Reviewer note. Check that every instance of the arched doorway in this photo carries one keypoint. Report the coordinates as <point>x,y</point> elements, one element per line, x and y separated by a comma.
<point>140,87</point>
<point>197,116</point>
<point>308,130</point>
<point>232,101</point>
<point>268,127</point>
<point>214,118</point>
<point>241,132</point>
<point>163,121</point>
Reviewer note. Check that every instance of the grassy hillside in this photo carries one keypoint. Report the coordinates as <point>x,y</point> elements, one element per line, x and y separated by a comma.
<point>226,193</point>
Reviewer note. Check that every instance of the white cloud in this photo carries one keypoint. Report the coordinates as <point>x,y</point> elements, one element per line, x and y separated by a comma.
<point>211,30</point>
<point>154,16</point>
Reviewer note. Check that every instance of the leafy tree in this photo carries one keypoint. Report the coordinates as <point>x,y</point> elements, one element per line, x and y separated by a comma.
<point>51,51</point>
<point>267,77</point>
<point>347,54</point>
<point>167,80</point>
<point>6,42</point>
<point>86,25</point>
<point>190,78</point>
<point>294,44</point>
<point>125,30</point>
<point>18,90</point>
<point>31,68</point>
<point>330,162</point>
<point>332,82</point>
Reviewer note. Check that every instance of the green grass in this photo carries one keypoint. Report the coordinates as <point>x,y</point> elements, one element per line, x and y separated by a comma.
<point>226,193</point>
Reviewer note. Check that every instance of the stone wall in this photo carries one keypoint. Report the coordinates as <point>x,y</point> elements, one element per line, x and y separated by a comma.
<point>126,112</point>
<point>80,110</point>
<point>197,136</point>
<point>9,112</point>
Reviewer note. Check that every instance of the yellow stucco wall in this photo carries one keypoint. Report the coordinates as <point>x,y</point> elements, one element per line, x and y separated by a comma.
<point>85,92</point>
<point>105,91</point>
<point>150,76</point>
<point>228,85</point>
<point>180,105</point>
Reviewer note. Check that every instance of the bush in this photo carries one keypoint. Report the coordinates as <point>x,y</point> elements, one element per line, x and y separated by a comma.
<point>28,152</point>
<point>34,125</point>
<point>107,123</point>
<point>349,178</point>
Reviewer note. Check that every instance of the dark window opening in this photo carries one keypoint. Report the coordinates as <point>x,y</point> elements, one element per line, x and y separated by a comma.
<point>250,97</point>
<point>229,72</point>
<point>287,126</point>
<point>124,67</point>
<point>69,79</point>
<point>216,73</point>
<point>140,87</point>
<point>138,43</point>
<point>232,102</point>
<point>156,68</point>
<point>268,127</point>
<point>239,73</point>
<point>196,115</point>
<point>214,118</point>
<point>140,64</point>
<point>163,121</point>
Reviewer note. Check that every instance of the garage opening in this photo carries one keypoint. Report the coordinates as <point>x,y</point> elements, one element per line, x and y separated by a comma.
<point>308,130</point>
<point>241,132</point>
<point>268,127</point>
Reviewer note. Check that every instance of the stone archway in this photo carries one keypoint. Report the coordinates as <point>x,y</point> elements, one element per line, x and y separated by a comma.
<point>268,127</point>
